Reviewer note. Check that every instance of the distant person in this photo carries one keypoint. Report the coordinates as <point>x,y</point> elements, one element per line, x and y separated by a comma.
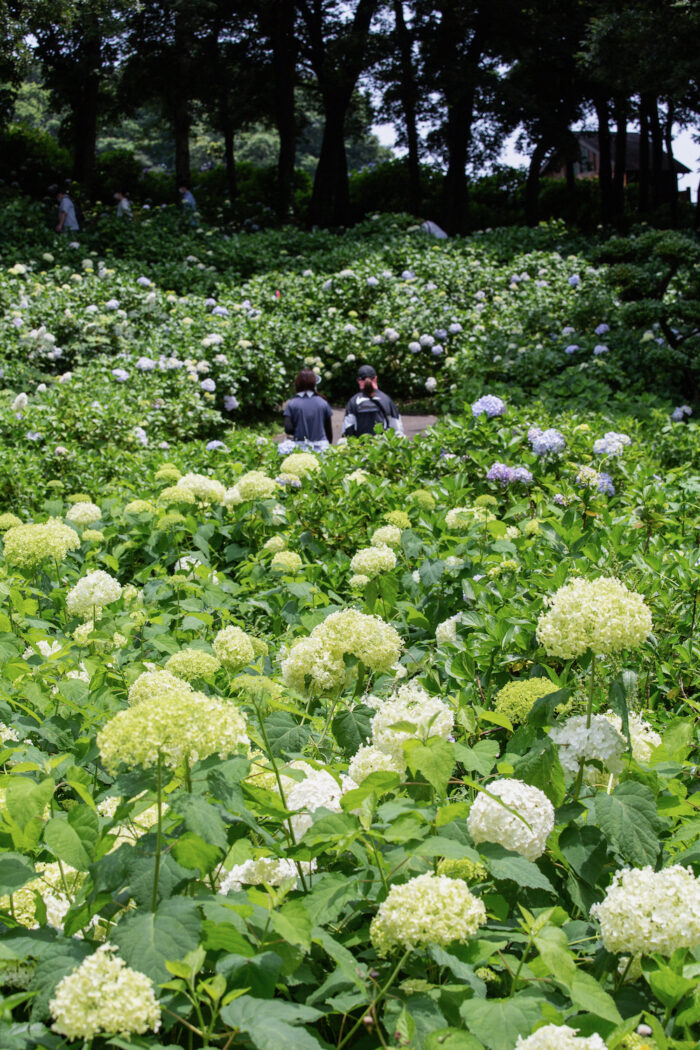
<point>189,204</point>
<point>434,230</point>
<point>369,407</point>
<point>123,205</point>
<point>308,418</point>
<point>67,219</point>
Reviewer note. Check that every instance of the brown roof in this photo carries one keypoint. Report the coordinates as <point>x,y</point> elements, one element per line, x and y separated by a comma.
<point>590,139</point>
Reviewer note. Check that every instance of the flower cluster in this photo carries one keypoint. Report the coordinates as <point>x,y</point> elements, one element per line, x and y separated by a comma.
<point>55,884</point>
<point>490,405</point>
<point>446,632</point>
<point>429,716</point>
<point>204,489</point>
<point>83,513</point>
<point>399,518</point>
<point>559,1037</point>
<point>428,909</point>
<point>286,561</point>
<point>300,464</point>
<point>386,536</point>
<point>544,442</point>
<point>459,519</point>
<point>590,478</point>
<point>104,995</point>
<point>181,726</point>
<point>611,444</point>
<point>156,686</point>
<point>372,759</point>
<point>598,742</point>
<point>681,412</point>
<point>516,699</point>
<point>370,561</point>
<point>646,911</point>
<point>250,486</point>
<point>8,521</point>
<point>272,871</point>
<point>506,475</point>
<point>275,544</point>
<point>518,816</point>
<point>139,506</point>
<point>26,546</point>
<point>318,790</point>
<point>193,663</point>
<point>601,615</point>
<point>320,657</point>
<point>643,737</point>
<point>234,648</point>
<point>92,593</point>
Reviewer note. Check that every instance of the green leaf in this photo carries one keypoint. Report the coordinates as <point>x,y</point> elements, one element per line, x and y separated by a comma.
<point>587,993</point>
<point>585,849</point>
<point>147,940</point>
<point>293,922</point>
<point>629,819</point>
<point>259,974</point>
<point>452,1039</point>
<point>553,946</point>
<point>15,872</point>
<point>202,818</point>
<point>272,1023</point>
<point>56,961</point>
<point>503,864</point>
<point>25,802</point>
<point>478,759</point>
<point>435,760</point>
<point>669,987</point>
<point>73,839</point>
<point>499,1022</point>
<point>377,783</point>
<point>540,766</point>
<point>351,728</point>
<point>286,736</point>
<point>193,853</point>
<point>542,711</point>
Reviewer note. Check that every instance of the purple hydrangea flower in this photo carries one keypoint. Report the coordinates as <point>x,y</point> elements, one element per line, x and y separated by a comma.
<point>220,311</point>
<point>436,350</point>
<point>568,330</point>
<point>120,374</point>
<point>112,304</point>
<point>145,364</point>
<point>441,333</point>
<point>611,444</point>
<point>288,479</point>
<point>546,441</point>
<point>605,485</point>
<point>679,413</point>
<point>144,282</point>
<point>522,474</point>
<point>490,404</point>
<point>141,436</point>
<point>34,435</point>
<point>602,329</point>
<point>210,302</point>
<point>286,446</point>
<point>571,349</point>
<point>230,402</point>
<point>601,348</point>
<point>214,446</point>
<point>455,328</point>
<point>500,472</point>
<point>559,500</point>
<point>574,280</point>
<point>208,385</point>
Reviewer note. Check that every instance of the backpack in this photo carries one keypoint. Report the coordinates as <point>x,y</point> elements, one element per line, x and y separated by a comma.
<point>367,417</point>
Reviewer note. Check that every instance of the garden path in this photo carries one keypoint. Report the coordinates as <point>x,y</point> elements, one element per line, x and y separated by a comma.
<point>412,424</point>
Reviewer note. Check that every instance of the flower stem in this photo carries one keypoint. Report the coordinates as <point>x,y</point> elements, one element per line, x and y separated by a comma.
<point>159,836</point>
<point>375,1002</point>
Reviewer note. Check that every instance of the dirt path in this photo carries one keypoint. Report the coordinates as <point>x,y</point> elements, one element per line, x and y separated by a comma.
<point>412,424</point>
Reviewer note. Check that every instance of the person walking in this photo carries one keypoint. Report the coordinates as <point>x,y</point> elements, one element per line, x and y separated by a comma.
<point>308,418</point>
<point>123,205</point>
<point>67,219</point>
<point>189,204</point>
<point>369,407</point>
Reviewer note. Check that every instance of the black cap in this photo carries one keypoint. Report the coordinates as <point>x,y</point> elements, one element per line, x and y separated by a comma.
<point>366,372</point>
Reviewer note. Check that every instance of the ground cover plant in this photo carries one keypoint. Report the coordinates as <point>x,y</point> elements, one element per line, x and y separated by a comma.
<point>396,746</point>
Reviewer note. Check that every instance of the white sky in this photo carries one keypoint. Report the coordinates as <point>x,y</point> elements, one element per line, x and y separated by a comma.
<point>685,149</point>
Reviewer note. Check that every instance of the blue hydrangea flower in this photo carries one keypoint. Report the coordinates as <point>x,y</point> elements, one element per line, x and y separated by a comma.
<point>214,446</point>
<point>120,374</point>
<point>605,485</point>
<point>455,328</point>
<point>602,329</point>
<point>522,474</point>
<point>372,282</point>
<point>230,402</point>
<point>601,348</point>
<point>208,385</point>
<point>500,472</point>
<point>574,280</point>
<point>681,412</point>
<point>490,404</point>
<point>571,349</point>
<point>546,441</point>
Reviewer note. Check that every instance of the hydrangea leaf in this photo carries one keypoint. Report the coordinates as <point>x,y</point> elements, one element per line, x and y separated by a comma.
<point>499,1022</point>
<point>147,940</point>
<point>628,818</point>
<point>271,1023</point>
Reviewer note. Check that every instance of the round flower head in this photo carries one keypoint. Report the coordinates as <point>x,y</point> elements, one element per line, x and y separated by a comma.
<point>139,506</point>
<point>559,1037</point>
<point>234,648</point>
<point>83,513</point>
<point>204,489</point>
<point>300,463</point>
<point>286,561</point>
<point>92,592</point>
<point>175,494</point>
<point>156,686</point>
<point>255,485</point>
<point>523,827</point>
<point>598,742</point>
<point>275,544</point>
<point>516,699</point>
<point>168,472</point>
<point>318,790</point>
<point>370,561</point>
<point>181,726</point>
<point>429,909</point>
<point>320,657</point>
<point>358,582</point>
<point>386,536</point>
<point>646,911</point>
<point>446,632</point>
<point>546,442</point>
<point>92,536</point>
<point>465,869</point>
<point>430,716</point>
<point>104,995</point>
<point>270,871</point>
<point>193,663</point>
<point>601,615</point>
<point>26,546</point>
<point>423,499</point>
<point>459,519</point>
<point>490,405</point>
<point>371,759</point>
<point>8,521</point>
<point>399,518</point>
<point>643,737</point>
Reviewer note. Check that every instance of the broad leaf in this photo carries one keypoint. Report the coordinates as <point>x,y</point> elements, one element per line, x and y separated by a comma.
<point>504,864</point>
<point>272,1023</point>
<point>499,1022</point>
<point>147,940</point>
<point>629,819</point>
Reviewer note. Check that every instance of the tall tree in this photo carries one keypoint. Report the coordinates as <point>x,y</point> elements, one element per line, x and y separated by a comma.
<point>335,43</point>
<point>278,23</point>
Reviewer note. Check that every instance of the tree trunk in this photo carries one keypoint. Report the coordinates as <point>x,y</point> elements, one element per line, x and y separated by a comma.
<point>571,201</point>
<point>230,161</point>
<point>658,195</point>
<point>284,62</point>
<point>330,200</point>
<point>643,154</point>
<point>409,95</point>
<point>602,109</point>
<point>532,185</point>
<point>86,111</point>
<point>182,118</point>
<point>620,157</point>
<point>672,177</point>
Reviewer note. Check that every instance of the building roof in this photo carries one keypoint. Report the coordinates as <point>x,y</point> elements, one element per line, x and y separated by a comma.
<point>589,139</point>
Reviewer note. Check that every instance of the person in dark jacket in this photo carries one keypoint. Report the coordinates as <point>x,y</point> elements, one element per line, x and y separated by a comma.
<point>369,407</point>
<point>308,416</point>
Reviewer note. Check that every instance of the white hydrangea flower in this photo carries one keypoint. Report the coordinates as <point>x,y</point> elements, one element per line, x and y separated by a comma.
<point>523,827</point>
<point>206,490</point>
<point>643,737</point>
<point>386,536</point>
<point>599,742</point>
<point>272,871</point>
<point>429,909</point>
<point>104,995</point>
<point>318,790</point>
<point>647,911</point>
<point>320,657</point>
<point>370,561</point>
<point>446,632</point>
<point>559,1037</point>
<point>92,592</point>
<point>371,759</point>
<point>601,615</point>
<point>430,715</point>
